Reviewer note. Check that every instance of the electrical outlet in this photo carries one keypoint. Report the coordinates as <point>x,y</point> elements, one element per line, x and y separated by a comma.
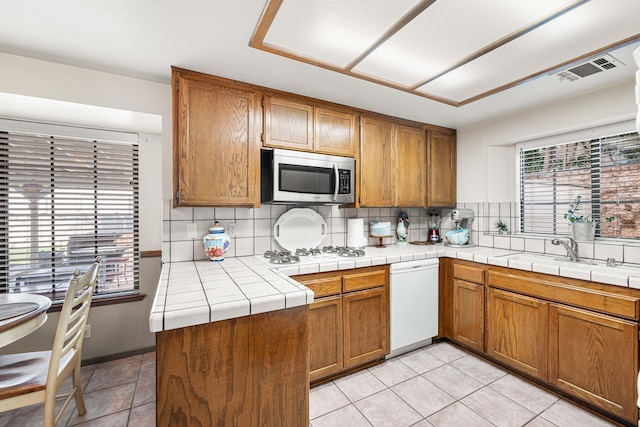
<point>231,229</point>
<point>87,331</point>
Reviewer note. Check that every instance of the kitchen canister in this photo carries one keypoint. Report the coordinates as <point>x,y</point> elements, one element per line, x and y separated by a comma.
<point>216,243</point>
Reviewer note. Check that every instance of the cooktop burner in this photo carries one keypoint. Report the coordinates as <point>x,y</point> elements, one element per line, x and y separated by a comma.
<point>285,257</point>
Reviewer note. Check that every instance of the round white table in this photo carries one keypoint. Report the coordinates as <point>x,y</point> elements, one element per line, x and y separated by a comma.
<point>21,314</point>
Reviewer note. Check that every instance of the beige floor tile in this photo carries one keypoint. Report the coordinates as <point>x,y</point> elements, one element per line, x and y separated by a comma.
<point>359,385</point>
<point>421,361</point>
<point>423,396</point>
<point>105,402</point>
<point>347,416</point>
<point>392,372</point>
<point>386,409</point>
<point>565,414</point>
<point>540,422</point>
<point>446,352</point>
<point>145,391</point>
<point>423,423</point>
<point>324,399</point>
<point>478,369</point>
<point>497,409</point>
<point>143,416</point>
<point>458,415</point>
<point>454,382</point>
<point>526,394</point>
<point>119,419</point>
<point>114,374</point>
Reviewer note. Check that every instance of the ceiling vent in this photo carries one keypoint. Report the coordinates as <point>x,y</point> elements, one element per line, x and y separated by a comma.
<point>597,65</point>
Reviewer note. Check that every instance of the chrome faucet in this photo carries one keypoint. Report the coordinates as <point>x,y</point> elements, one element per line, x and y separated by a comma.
<point>571,247</point>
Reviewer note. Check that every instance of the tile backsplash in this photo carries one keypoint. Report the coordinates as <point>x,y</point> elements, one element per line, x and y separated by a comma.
<point>254,227</point>
<point>254,230</point>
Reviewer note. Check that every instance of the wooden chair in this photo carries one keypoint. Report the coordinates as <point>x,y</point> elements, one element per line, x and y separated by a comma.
<point>29,378</point>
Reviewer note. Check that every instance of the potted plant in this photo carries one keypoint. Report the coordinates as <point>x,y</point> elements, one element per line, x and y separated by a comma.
<point>583,228</point>
<point>502,226</point>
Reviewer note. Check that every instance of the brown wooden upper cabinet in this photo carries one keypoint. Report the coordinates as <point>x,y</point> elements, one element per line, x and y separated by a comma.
<point>298,125</point>
<point>393,163</point>
<point>376,162</point>
<point>216,141</point>
<point>410,166</point>
<point>441,169</point>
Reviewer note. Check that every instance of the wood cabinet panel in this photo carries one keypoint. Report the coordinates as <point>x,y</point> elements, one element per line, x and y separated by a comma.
<point>410,167</point>
<point>322,287</point>
<point>325,337</point>
<point>469,273</point>
<point>594,357</point>
<point>368,278</point>
<point>441,169</point>
<point>335,132</point>
<point>250,371</point>
<point>517,331</point>
<point>288,124</point>
<point>366,320</point>
<point>216,147</point>
<point>376,162</point>
<point>468,314</point>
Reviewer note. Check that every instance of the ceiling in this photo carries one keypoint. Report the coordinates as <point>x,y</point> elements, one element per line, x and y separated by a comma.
<point>445,62</point>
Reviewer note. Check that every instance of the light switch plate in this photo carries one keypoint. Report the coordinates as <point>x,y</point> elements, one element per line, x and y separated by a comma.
<point>192,230</point>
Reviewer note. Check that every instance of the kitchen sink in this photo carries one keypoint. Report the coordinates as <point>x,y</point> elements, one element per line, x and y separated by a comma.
<point>550,259</point>
<point>598,269</point>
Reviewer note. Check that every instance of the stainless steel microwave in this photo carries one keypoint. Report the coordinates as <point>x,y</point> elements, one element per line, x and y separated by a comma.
<point>295,177</point>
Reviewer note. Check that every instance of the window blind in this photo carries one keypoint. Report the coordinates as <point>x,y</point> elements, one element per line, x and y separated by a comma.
<point>63,201</point>
<point>604,172</point>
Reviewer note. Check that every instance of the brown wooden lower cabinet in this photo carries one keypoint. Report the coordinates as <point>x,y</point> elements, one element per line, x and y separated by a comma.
<point>348,320</point>
<point>517,331</point>
<point>577,337</point>
<point>594,357</point>
<point>468,314</point>
<point>249,371</point>
<point>325,337</point>
<point>366,332</point>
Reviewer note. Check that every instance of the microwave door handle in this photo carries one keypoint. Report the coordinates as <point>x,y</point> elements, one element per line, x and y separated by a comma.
<point>337,182</point>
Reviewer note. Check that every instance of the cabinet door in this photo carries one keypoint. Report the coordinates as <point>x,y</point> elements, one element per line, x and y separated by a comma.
<point>288,124</point>
<point>376,144</point>
<point>410,167</point>
<point>325,337</point>
<point>216,149</point>
<point>594,357</point>
<point>335,132</point>
<point>441,170</point>
<point>517,331</point>
<point>366,326</point>
<point>468,314</point>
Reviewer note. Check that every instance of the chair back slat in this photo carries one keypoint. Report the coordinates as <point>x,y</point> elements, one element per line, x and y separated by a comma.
<point>73,318</point>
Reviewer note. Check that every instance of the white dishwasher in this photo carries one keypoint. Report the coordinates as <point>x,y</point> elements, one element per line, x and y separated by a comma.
<point>414,304</point>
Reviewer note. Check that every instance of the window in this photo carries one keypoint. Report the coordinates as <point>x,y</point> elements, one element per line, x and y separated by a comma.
<point>66,196</point>
<point>603,171</point>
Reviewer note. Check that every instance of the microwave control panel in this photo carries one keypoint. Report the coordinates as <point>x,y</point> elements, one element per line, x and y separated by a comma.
<point>344,183</point>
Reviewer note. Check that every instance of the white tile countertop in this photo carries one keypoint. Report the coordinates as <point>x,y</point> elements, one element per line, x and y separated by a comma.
<point>196,292</point>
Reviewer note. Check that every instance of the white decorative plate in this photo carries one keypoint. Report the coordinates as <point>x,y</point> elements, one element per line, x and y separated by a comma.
<point>300,228</point>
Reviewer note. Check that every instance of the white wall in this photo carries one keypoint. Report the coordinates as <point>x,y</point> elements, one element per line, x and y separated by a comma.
<point>492,178</point>
<point>115,102</point>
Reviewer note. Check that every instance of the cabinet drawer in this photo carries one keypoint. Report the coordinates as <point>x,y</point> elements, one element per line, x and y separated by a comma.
<point>558,291</point>
<point>364,280</point>
<point>322,287</point>
<point>467,272</point>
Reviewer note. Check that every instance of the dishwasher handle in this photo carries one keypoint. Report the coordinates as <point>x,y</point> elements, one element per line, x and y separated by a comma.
<point>411,266</point>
